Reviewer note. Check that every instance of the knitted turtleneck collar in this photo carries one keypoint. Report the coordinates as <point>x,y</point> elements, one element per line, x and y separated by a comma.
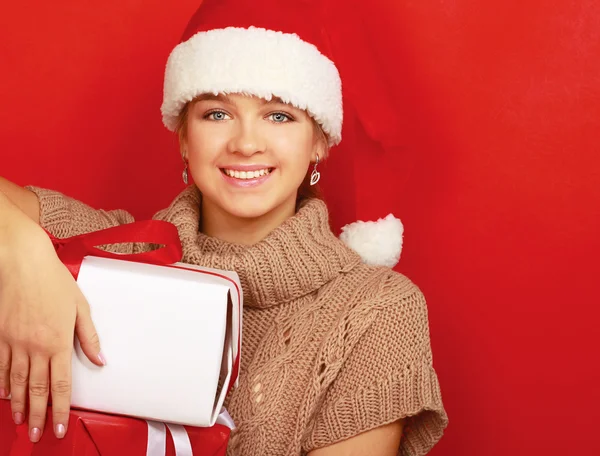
<point>295,259</point>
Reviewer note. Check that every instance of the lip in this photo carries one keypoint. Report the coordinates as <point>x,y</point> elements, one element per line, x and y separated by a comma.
<point>246,167</point>
<point>246,183</point>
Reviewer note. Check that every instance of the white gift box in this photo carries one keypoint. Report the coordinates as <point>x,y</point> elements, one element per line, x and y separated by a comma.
<point>170,334</point>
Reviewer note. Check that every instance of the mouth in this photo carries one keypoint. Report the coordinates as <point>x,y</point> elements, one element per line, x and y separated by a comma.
<point>246,175</point>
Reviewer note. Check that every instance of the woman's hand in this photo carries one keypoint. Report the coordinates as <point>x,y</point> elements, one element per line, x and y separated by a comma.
<point>40,308</point>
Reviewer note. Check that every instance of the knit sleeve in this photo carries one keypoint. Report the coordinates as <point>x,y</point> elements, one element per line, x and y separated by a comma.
<point>64,217</point>
<point>388,375</point>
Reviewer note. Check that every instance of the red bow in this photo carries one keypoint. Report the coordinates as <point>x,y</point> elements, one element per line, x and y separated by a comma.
<point>71,251</point>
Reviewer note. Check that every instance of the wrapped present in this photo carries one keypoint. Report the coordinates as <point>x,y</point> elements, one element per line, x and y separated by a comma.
<point>96,434</point>
<point>171,332</point>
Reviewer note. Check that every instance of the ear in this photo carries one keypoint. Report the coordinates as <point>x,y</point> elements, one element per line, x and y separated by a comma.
<point>322,149</point>
<point>183,150</point>
<point>321,145</point>
<point>377,243</point>
<point>183,146</point>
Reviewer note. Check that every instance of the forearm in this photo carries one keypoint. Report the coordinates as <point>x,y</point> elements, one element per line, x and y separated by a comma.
<point>55,212</point>
<point>22,199</point>
<point>15,227</point>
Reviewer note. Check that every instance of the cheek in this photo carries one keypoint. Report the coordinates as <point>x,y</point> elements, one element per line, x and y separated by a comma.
<point>294,165</point>
<point>203,145</point>
<point>295,150</point>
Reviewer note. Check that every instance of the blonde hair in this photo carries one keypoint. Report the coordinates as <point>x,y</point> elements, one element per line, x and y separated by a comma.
<point>305,190</point>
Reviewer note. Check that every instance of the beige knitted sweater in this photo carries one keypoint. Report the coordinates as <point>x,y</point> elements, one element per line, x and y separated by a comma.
<point>331,347</point>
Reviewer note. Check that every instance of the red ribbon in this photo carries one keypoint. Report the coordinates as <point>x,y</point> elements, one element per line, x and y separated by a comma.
<point>71,251</point>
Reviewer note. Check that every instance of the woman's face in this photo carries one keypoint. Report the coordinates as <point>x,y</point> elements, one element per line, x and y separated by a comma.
<point>248,156</point>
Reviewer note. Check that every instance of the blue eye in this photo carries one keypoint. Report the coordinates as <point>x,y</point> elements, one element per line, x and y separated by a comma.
<point>280,117</point>
<point>216,115</point>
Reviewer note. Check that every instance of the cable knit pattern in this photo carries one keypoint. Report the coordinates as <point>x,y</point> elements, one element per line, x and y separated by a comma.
<point>331,347</point>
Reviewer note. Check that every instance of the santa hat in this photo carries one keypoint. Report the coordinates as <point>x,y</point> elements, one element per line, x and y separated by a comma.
<point>266,48</point>
<point>270,48</point>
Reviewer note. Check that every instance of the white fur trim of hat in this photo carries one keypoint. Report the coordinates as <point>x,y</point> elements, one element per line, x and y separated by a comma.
<point>254,61</point>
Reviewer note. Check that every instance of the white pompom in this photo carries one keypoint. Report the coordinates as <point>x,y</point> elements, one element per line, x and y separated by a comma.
<point>377,243</point>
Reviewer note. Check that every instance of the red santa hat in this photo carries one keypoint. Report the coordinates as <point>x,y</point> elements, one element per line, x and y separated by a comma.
<point>270,48</point>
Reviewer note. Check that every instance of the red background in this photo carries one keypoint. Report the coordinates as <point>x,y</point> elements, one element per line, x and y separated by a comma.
<point>494,171</point>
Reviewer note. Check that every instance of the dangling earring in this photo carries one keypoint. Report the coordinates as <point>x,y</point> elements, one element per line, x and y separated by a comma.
<point>315,175</point>
<point>184,174</point>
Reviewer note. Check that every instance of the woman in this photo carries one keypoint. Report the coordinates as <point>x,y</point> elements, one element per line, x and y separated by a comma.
<point>336,356</point>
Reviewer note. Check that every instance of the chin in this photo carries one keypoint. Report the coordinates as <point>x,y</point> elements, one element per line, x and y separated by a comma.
<point>248,208</point>
<point>246,212</point>
<point>251,205</point>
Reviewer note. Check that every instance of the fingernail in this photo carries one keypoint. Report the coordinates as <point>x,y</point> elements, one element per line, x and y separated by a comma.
<point>19,418</point>
<point>3,393</point>
<point>35,434</point>
<point>102,358</point>
<point>59,430</point>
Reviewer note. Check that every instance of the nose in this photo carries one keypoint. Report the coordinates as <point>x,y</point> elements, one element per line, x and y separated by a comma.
<point>247,139</point>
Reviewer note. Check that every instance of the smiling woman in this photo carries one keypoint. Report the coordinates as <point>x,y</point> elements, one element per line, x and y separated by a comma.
<point>336,356</point>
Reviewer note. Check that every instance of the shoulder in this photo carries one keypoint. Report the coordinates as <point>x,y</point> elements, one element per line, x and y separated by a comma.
<point>401,316</point>
<point>383,310</point>
<point>393,316</point>
<point>384,289</point>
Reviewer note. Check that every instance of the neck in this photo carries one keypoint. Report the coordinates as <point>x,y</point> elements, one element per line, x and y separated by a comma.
<point>227,227</point>
<point>297,256</point>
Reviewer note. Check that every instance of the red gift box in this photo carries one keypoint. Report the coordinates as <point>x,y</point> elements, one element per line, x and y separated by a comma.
<point>96,434</point>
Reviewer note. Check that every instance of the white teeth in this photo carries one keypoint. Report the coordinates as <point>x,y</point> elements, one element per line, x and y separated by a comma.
<point>246,174</point>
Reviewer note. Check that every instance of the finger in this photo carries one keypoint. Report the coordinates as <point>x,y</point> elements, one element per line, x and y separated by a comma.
<point>38,396</point>
<point>60,386</point>
<point>19,376</point>
<point>87,334</point>
<point>4,370</point>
